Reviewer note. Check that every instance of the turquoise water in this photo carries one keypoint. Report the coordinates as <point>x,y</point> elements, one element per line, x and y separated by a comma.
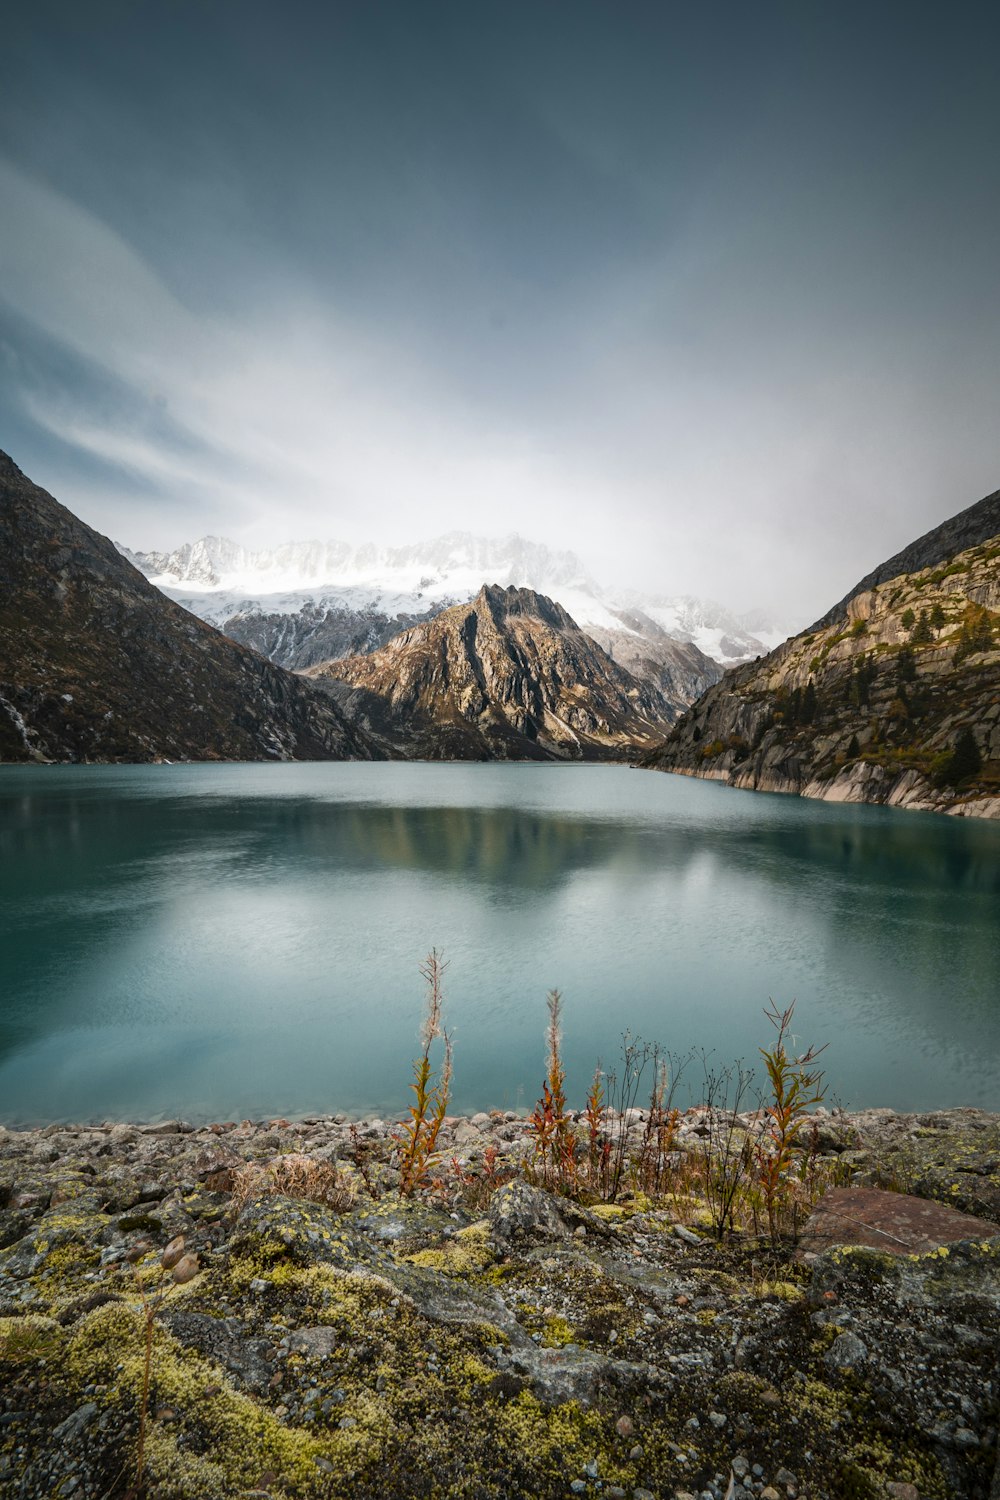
<point>220,942</point>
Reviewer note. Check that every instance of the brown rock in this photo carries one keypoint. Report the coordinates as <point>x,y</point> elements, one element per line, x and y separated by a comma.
<point>894,1222</point>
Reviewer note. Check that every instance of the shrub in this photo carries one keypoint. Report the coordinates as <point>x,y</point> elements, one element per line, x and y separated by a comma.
<point>293,1176</point>
<point>796,1085</point>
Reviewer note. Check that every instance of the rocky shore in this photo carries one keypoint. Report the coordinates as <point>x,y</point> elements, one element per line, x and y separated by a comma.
<point>253,1310</point>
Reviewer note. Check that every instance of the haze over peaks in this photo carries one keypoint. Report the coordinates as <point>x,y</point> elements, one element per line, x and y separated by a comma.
<point>218,579</point>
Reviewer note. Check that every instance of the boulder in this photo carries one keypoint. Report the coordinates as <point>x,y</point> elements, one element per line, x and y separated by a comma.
<point>897,1223</point>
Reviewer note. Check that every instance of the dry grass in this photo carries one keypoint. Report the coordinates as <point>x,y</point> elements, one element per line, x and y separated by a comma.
<point>293,1176</point>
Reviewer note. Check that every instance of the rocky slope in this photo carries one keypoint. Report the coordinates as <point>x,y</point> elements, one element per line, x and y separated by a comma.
<point>509,676</point>
<point>96,665</point>
<point>676,669</point>
<point>312,1334</point>
<point>893,696</point>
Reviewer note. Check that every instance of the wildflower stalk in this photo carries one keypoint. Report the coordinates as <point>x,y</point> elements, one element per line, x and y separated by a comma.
<point>419,1136</point>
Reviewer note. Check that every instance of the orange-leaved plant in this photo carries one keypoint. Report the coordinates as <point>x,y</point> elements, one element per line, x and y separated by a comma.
<point>554,1140</point>
<point>796,1085</point>
<point>418,1137</point>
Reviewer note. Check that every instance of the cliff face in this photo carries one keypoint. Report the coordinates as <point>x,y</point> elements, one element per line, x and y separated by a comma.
<point>96,665</point>
<point>508,676</point>
<point>893,696</point>
<point>677,670</point>
<point>313,634</point>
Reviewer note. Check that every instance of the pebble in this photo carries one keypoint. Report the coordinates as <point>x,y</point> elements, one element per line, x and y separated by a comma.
<point>625,1427</point>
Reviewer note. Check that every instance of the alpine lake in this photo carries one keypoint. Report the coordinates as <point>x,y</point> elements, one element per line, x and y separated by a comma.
<point>242,941</point>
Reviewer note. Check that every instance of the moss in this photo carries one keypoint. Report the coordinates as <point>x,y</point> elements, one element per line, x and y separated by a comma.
<point>244,1437</point>
<point>557,1333</point>
<point>467,1252</point>
<point>558,1441</point>
<point>785,1291</point>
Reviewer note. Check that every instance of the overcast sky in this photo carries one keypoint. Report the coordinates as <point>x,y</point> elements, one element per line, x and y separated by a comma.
<point>708,292</point>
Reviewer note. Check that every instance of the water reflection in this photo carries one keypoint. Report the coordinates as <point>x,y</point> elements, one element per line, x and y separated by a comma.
<point>226,936</point>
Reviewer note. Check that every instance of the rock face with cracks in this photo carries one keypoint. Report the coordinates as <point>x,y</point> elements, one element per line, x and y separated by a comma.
<point>509,676</point>
<point>487,1341</point>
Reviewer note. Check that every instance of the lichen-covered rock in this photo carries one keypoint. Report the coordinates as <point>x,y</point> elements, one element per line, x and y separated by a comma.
<point>472,1349</point>
<point>520,1213</point>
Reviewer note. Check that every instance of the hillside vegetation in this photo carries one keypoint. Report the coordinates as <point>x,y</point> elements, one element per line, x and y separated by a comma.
<point>894,696</point>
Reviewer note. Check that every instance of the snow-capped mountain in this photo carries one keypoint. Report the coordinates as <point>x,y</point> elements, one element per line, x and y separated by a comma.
<point>225,583</point>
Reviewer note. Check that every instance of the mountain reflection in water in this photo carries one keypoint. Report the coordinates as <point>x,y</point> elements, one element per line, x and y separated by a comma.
<point>219,941</point>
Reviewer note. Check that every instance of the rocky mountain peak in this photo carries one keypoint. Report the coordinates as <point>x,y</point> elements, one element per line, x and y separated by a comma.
<point>511,602</point>
<point>507,676</point>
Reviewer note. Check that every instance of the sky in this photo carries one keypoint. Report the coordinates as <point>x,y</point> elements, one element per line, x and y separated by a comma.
<point>708,293</point>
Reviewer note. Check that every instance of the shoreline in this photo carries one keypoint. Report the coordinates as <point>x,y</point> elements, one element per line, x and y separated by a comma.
<point>255,1309</point>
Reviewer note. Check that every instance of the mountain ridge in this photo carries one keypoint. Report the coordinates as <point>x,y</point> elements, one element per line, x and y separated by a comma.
<point>97,665</point>
<point>892,696</point>
<point>509,675</point>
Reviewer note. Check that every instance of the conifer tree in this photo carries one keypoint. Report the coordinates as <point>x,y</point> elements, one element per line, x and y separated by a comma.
<point>906,665</point>
<point>922,632</point>
<point>937,618</point>
<point>965,758</point>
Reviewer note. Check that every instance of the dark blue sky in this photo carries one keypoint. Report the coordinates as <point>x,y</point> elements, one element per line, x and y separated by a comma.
<point>708,292</point>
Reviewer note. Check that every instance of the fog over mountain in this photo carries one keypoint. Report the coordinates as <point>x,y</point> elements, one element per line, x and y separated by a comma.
<point>711,292</point>
<point>229,585</point>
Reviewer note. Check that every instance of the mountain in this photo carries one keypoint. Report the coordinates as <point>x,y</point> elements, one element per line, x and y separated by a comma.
<point>892,696</point>
<point>96,665</point>
<point>291,601</point>
<point>508,676</point>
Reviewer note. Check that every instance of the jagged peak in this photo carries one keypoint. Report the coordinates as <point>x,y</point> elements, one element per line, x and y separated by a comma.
<point>503,602</point>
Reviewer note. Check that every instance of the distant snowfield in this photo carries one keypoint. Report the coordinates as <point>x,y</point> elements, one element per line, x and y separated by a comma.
<point>217,579</point>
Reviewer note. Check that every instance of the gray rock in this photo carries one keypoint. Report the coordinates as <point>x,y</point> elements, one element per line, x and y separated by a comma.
<point>75,1423</point>
<point>315,1343</point>
<point>519,1212</point>
<point>845,1353</point>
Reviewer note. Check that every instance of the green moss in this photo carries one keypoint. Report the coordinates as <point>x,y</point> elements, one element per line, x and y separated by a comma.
<point>467,1252</point>
<point>243,1437</point>
<point>557,1333</point>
